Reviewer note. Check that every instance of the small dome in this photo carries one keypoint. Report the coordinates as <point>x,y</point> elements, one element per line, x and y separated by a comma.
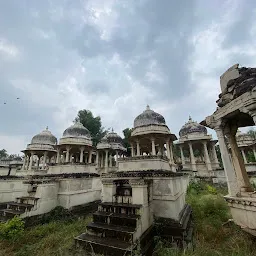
<point>112,137</point>
<point>148,117</point>
<point>77,130</point>
<point>192,127</point>
<point>45,137</point>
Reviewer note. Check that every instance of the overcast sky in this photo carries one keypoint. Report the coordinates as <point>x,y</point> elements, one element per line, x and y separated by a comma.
<point>114,57</point>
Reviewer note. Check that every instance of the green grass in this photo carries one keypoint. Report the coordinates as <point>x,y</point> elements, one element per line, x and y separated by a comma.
<point>54,238</point>
<point>211,237</point>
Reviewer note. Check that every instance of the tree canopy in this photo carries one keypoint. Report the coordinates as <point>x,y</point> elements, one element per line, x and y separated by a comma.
<point>93,124</point>
<point>127,134</point>
<point>3,154</point>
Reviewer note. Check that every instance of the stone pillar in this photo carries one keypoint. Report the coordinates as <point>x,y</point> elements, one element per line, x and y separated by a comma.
<point>168,149</point>
<point>206,157</point>
<point>38,161</point>
<point>58,156</point>
<point>132,150</point>
<point>192,157</point>
<point>90,157</point>
<point>110,160</point>
<point>102,160</point>
<point>241,174</point>
<point>244,156</point>
<point>106,159</point>
<point>67,154</point>
<point>44,159</point>
<point>214,154</point>
<point>24,162</point>
<point>31,161</point>
<point>97,159</point>
<point>138,148</point>
<point>153,146</point>
<point>254,153</point>
<point>233,189</point>
<point>171,153</point>
<point>182,156</point>
<point>27,162</point>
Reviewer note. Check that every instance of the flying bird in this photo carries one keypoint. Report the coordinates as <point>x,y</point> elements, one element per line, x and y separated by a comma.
<point>18,98</point>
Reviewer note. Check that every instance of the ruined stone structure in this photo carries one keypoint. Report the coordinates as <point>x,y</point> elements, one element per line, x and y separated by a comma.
<point>236,108</point>
<point>143,197</point>
<point>194,138</point>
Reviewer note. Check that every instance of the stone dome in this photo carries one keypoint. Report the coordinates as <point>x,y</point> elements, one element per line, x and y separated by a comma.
<point>192,127</point>
<point>149,117</point>
<point>112,137</point>
<point>44,137</point>
<point>76,130</point>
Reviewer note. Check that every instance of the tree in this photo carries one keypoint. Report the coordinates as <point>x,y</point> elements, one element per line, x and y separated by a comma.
<point>3,154</point>
<point>93,124</point>
<point>252,133</point>
<point>127,134</point>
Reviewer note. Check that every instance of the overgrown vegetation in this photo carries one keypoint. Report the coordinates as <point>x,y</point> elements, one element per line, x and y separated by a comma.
<point>214,234</point>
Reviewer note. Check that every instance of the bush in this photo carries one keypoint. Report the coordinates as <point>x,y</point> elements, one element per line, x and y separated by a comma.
<point>12,229</point>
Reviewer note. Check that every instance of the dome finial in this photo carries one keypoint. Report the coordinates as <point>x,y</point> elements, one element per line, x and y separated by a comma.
<point>46,128</point>
<point>190,118</point>
<point>148,108</point>
<point>112,129</point>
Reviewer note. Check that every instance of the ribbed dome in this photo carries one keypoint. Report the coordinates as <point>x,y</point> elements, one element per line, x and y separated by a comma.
<point>112,137</point>
<point>45,137</point>
<point>192,127</point>
<point>148,117</point>
<point>77,130</point>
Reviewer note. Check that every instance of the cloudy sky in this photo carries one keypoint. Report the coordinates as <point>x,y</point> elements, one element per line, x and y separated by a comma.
<point>114,57</point>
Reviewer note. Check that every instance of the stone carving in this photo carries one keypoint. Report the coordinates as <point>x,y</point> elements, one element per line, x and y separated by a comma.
<point>234,85</point>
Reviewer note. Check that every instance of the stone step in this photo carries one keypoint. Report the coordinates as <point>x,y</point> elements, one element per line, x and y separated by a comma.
<point>10,212</point>
<point>103,226</point>
<point>21,205</point>
<point>104,245</point>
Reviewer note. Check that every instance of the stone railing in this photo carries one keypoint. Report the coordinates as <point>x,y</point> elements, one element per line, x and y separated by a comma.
<point>71,163</point>
<point>122,199</point>
<point>133,158</point>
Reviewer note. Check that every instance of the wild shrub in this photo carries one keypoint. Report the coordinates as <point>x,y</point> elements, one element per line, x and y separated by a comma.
<point>12,229</point>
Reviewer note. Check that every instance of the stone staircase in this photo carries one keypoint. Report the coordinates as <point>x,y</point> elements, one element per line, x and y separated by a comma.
<point>113,229</point>
<point>20,207</point>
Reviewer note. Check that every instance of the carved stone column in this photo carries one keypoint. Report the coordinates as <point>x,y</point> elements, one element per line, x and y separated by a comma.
<point>171,154</point>
<point>24,162</point>
<point>233,189</point>
<point>106,159</point>
<point>153,146</point>
<point>182,156</point>
<point>90,157</point>
<point>31,161</point>
<point>58,156</point>
<point>27,162</point>
<point>244,156</point>
<point>254,153</point>
<point>242,177</point>
<point>97,159</point>
<point>214,154</point>
<point>44,158</point>
<point>67,154</point>
<point>206,157</point>
<point>138,148</point>
<point>192,157</point>
<point>102,160</point>
<point>132,150</point>
<point>110,160</point>
<point>168,149</point>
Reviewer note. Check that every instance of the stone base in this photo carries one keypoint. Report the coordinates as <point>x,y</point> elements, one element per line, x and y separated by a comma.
<point>180,232</point>
<point>243,210</point>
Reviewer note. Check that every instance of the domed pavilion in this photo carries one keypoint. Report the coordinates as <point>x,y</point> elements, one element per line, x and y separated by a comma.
<point>109,150</point>
<point>151,136</point>
<point>75,145</point>
<point>194,139</point>
<point>41,149</point>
